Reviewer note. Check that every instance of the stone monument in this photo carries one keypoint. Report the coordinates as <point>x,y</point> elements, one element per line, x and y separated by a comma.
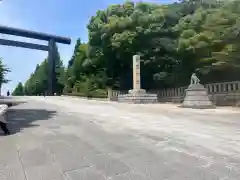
<point>137,95</point>
<point>196,95</point>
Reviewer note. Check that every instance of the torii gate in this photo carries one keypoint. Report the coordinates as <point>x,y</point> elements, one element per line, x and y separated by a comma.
<point>51,48</point>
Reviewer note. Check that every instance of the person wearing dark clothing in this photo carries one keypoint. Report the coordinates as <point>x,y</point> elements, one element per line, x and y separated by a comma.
<point>8,93</point>
<point>4,128</point>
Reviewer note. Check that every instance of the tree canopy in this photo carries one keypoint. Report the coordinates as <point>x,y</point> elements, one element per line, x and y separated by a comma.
<point>3,72</point>
<point>19,90</point>
<point>174,40</point>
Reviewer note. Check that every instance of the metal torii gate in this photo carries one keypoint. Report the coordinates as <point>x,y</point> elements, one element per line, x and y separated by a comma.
<point>51,48</point>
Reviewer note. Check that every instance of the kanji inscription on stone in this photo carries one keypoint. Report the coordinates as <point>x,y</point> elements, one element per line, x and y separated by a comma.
<point>136,72</point>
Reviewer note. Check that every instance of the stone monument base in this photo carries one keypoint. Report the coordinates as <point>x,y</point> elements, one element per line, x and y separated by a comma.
<point>138,96</point>
<point>197,97</point>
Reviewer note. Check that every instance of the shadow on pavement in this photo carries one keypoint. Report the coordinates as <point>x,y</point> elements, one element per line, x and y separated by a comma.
<point>18,119</point>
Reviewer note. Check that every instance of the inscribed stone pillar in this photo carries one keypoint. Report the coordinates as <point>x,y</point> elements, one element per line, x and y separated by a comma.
<point>136,72</point>
<point>137,95</point>
<point>110,94</point>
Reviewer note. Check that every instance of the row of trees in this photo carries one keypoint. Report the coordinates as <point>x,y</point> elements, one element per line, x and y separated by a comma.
<point>37,83</point>
<point>173,40</point>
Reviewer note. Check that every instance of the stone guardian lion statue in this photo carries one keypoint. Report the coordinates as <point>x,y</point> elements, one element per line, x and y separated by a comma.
<point>194,79</point>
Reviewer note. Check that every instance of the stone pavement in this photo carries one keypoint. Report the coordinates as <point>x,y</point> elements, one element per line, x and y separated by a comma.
<point>61,138</point>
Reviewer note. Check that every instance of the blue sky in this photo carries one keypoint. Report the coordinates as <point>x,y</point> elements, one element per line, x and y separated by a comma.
<point>60,17</point>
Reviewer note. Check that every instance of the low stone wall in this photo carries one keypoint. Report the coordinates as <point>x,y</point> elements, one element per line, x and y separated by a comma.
<point>80,97</point>
<point>221,94</point>
<point>175,99</point>
<point>138,98</point>
<point>225,99</point>
<point>219,99</point>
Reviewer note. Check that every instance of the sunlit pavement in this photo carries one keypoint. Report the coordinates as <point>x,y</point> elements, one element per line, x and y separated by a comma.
<point>62,138</point>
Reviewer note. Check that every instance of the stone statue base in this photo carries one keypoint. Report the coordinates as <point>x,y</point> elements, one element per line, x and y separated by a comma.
<point>197,97</point>
<point>138,96</point>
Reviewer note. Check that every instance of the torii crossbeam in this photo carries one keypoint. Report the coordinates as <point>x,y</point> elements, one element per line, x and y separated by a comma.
<point>51,48</point>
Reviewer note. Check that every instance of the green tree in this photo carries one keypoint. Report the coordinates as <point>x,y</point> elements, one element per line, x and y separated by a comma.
<point>37,84</point>
<point>174,40</point>
<point>19,90</point>
<point>3,72</point>
<point>208,42</point>
<point>121,31</point>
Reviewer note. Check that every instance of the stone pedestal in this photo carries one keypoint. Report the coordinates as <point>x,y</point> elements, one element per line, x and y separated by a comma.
<point>197,97</point>
<point>138,96</point>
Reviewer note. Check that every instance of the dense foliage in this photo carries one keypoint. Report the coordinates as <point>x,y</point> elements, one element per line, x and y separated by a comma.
<point>173,40</point>
<point>38,81</point>
<point>19,90</point>
<point>3,71</point>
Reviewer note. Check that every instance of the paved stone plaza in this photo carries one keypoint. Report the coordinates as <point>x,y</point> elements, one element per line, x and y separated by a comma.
<point>61,138</point>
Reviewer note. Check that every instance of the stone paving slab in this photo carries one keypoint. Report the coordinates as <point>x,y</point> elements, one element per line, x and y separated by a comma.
<point>45,172</point>
<point>34,157</point>
<point>130,176</point>
<point>89,173</point>
<point>69,161</point>
<point>88,141</point>
<point>12,173</point>
<point>108,165</point>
